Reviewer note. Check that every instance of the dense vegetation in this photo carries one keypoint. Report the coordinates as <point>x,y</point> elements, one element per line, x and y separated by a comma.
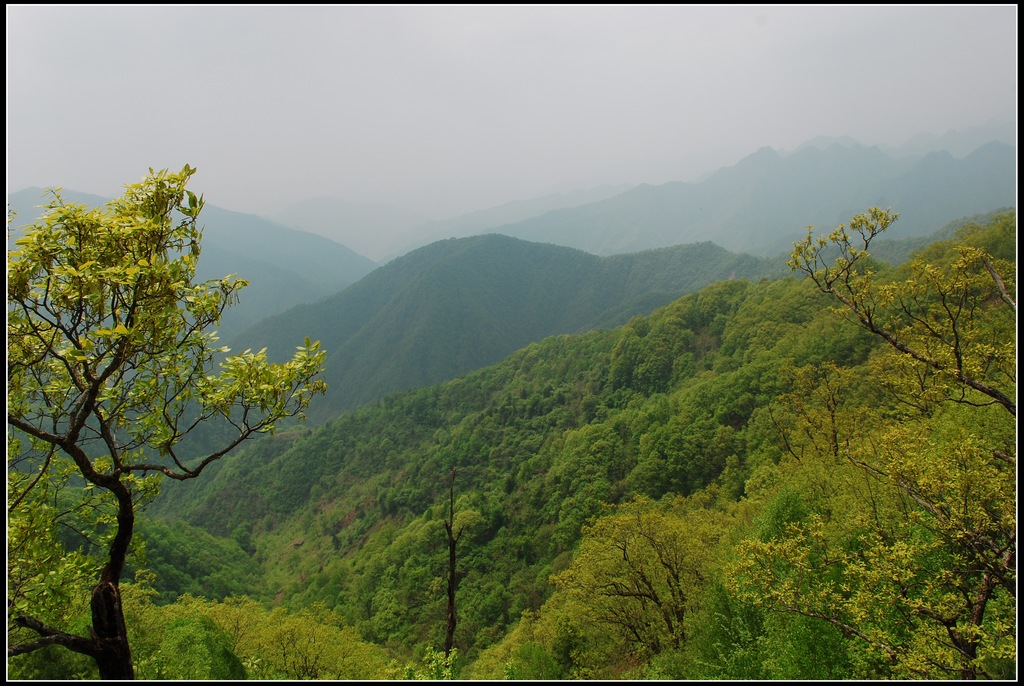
<point>745,484</point>
<point>461,304</point>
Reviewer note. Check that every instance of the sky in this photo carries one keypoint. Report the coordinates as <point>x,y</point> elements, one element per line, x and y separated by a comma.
<point>444,110</point>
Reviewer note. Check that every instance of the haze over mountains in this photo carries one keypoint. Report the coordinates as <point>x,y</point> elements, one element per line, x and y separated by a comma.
<point>557,406</point>
<point>284,267</point>
<point>752,206</point>
<point>563,263</point>
<point>729,206</point>
<point>759,204</point>
<point>383,232</point>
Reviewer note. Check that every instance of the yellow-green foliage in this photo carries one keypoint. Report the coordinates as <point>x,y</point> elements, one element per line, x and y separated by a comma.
<point>628,595</point>
<point>797,496</point>
<point>905,468</point>
<point>240,638</point>
<point>876,539</point>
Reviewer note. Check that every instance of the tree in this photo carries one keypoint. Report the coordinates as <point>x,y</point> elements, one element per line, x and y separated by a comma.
<point>639,570</point>
<point>111,353</point>
<point>454,527</point>
<point>194,638</point>
<point>931,318</point>
<point>453,579</point>
<point>909,540</point>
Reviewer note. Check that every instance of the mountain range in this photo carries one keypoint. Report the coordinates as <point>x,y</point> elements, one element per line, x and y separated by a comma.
<point>461,304</point>
<point>597,259</point>
<point>561,381</point>
<point>760,204</point>
<point>284,267</point>
<point>821,185</point>
<point>384,232</point>
<point>708,401</point>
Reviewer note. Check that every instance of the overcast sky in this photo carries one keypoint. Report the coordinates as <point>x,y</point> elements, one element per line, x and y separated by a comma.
<point>449,109</point>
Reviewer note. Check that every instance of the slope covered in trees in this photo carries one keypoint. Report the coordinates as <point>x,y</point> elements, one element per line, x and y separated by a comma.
<point>460,304</point>
<point>787,496</point>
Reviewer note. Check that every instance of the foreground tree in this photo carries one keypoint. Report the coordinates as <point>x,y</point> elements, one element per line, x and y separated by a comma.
<point>951,322</point>
<point>110,366</point>
<point>906,534</point>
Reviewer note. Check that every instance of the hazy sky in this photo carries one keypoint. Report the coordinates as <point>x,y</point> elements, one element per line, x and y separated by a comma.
<point>449,109</point>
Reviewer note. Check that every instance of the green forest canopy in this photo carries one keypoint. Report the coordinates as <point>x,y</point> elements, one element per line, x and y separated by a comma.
<point>787,494</point>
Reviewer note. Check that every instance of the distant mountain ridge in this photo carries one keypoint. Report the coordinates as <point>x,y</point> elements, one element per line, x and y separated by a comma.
<point>284,266</point>
<point>460,304</point>
<point>370,229</point>
<point>384,232</point>
<point>486,220</point>
<point>959,143</point>
<point>761,204</point>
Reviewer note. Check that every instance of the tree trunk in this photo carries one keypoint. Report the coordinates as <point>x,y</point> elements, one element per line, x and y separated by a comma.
<point>449,637</point>
<point>113,655</point>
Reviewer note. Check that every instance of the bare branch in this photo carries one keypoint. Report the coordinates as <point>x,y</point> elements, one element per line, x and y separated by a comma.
<point>999,283</point>
<point>48,636</point>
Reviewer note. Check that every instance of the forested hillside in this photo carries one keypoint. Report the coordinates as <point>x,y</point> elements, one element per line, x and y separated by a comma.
<point>808,477</point>
<point>460,304</point>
